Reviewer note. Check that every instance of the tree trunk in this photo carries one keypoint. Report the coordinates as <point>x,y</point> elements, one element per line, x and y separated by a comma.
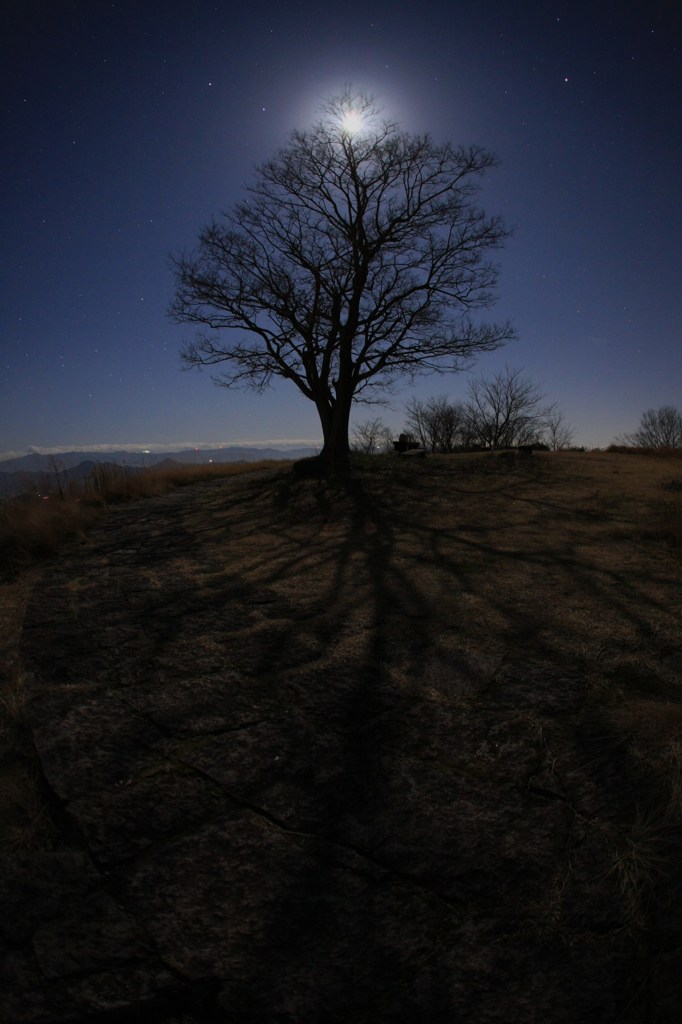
<point>336,449</point>
<point>333,461</point>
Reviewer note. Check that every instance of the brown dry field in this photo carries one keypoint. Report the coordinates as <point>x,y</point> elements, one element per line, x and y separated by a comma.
<point>569,560</point>
<point>568,557</point>
<point>524,615</point>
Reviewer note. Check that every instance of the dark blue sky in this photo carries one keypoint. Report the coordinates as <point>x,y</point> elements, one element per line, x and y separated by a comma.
<point>128,125</point>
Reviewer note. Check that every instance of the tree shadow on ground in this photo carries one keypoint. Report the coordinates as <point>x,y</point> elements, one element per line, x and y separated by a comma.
<point>413,810</point>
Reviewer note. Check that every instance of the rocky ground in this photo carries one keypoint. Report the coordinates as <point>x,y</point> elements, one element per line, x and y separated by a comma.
<point>314,758</point>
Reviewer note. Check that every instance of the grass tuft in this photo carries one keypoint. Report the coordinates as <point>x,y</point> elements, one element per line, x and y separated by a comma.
<point>34,528</point>
<point>25,822</point>
<point>647,858</point>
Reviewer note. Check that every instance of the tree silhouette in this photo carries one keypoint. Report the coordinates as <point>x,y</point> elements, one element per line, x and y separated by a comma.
<point>439,424</point>
<point>558,433</point>
<point>371,437</point>
<point>357,258</point>
<point>658,428</point>
<point>506,409</point>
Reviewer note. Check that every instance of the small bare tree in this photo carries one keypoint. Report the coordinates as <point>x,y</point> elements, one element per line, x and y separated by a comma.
<point>506,410</point>
<point>59,474</point>
<point>438,424</point>
<point>659,428</point>
<point>557,433</point>
<point>372,437</point>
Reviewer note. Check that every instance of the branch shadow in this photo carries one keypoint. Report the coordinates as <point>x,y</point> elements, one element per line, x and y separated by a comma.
<point>296,648</point>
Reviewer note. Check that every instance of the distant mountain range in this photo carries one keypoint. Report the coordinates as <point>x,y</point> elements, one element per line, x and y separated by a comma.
<point>31,472</point>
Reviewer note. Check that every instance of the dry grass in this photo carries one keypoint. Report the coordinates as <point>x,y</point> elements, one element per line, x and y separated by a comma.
<point>574,558</point>
<point>25,823</point>
<point>648,453</point>
<point>33,527</point>
<point>32,530</point>
<point>643,860</point>
<point>560,557</point>
<point>25,820</point>
<point>668,525</point>
<point>109,485</point>
<point>653,730</point>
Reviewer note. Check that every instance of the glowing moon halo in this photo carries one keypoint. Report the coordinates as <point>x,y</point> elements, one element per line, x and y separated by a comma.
<point>351,122</point>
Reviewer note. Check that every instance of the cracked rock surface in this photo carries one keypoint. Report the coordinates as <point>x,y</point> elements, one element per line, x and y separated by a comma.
<point>290,797</point>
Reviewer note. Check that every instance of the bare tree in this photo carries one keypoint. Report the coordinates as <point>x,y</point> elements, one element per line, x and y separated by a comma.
<point>438,424</point>
<point>557,433</point>
<point>59,474</point>
<point>506,410</point>
<point>357,258</point>
<point>371,437</point>
<point>659,428</point>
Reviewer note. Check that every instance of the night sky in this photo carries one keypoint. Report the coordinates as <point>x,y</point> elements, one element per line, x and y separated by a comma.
<point>129,125</point>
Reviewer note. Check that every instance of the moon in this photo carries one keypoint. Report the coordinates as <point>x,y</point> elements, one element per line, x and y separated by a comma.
<point>352,122</point>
